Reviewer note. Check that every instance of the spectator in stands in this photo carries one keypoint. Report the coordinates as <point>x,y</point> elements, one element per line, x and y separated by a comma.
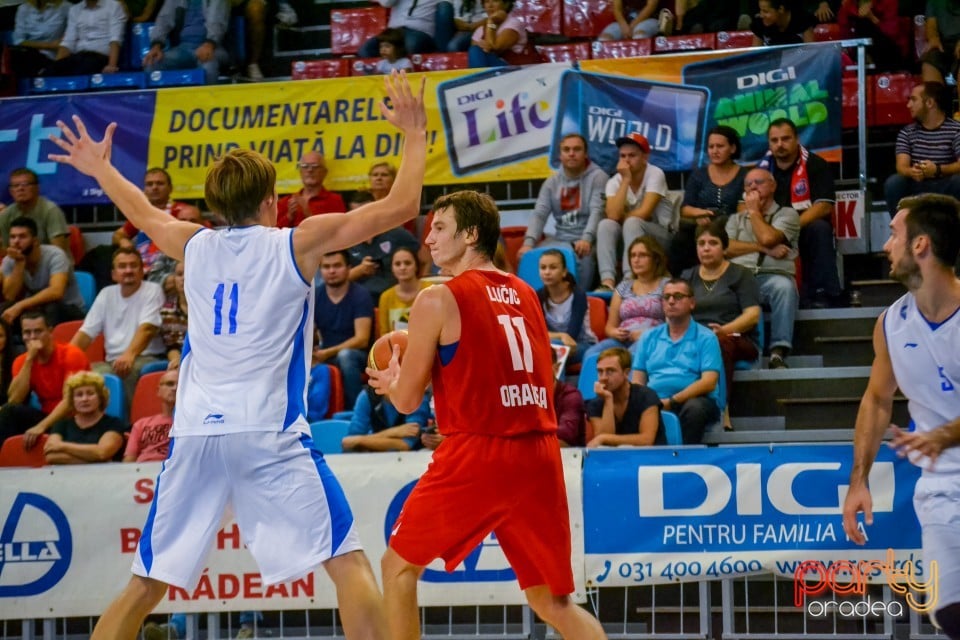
<point>636,207</point>
<point>392,53</point>
<point>635,307</point>
<point>728,301</point>
<point>822,10</point>
<point>37,276</point>
<point>564,306</point>
<point>680,360</point>
<point>150,436</point>
<point>942,31</point>
<point>41,370</point>
<point>370,263</point>
<point>416,19</point>
<point>456,24</point>
<point>714,16</point>
<point>344,318</point>
<point>622,412</point>
<point>878,20</point>
<point>568,405</point>
<point>710,193</point>
<point>255,18</point>
<point>502,40</point>
<point>779,22</point>
<point>140,10</point>
<point>91,43</point>
<point>198,28</point>
<point>763,237</point>
<point>805,183</point>
<point>928,149</point>
<point>27,201</point>
<point>128,316</point>
<point>157,186</point>
<point>382,175</point>
<point>37,29</point>
<point>6,363</point>
<point>395,302</point>
<point>431,438</point>
<point>313,199</point>
<point>173,319</point>
<point>573,196</point>
<point>90,435</point>
<point>633,20</point>
<point>377,426</point>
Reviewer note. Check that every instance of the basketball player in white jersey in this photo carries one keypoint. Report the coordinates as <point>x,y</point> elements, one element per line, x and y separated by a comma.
<point>916,343</point>
<point>240,436</point>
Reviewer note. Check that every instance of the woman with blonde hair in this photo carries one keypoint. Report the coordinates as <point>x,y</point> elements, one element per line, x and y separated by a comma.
<point>90,435</point>
<point>382,175</point>
<point>394,306</point>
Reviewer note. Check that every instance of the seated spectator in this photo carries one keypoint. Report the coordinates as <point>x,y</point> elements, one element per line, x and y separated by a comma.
<point>632,20</point>
<point>680,360</point>
<point>805,183</point>
<point>573,196</point>
<point>928,149</point>
<point>173,320</point>
<point>728,301</point>
<point>569,409</point>
<point>822,10</point>
<point>712,17</point>
<point>128,316</point>
<point>878,20</point>
<point>942,31</point>
<point>37,30</point>
<point>90,435</point>
<point>416,19</point>
<point>622,412</point>
<point>313,199</point>
<point>140,10</point>
<point>370,262</point>
<point>6,364</point>
<point>395,302</point>
<point>710,193</point>
<point>502,41</point>
<point>456,24</point>
<point>779,23</point>
<point>41,370</point>
<point>38,277</point>
<point>150,436</point>
<point>392,53</point>
<point>51,224</point>
<point>198,28</point>
<point>762,239</point>
<point>382,175</point>
<point>91,42</point>
<point>635,307</point>
<point>377,426</point>
<point>636,207</point>
<point>344,318</point>
<point>564,306</point>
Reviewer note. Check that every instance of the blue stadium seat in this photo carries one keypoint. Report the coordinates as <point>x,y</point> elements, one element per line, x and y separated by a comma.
<point>116,406</point>
<point>328,435</point>
<point>153,367</point>
<point>529,268</point>
<point>138,44</point>
<point>177,78</point>
<point>63,84</point>
<point>671,428</point>
<point>588,375</point>
<point>343,415</point>
<point>88,288</point>
<point>122,80</point>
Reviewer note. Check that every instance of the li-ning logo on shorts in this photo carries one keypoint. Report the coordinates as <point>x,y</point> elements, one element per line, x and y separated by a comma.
<point>213,418</point>
<point>41,553</point>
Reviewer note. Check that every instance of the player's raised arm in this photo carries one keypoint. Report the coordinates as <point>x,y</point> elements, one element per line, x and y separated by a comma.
<point>318,235</point>
<point>92,158</point>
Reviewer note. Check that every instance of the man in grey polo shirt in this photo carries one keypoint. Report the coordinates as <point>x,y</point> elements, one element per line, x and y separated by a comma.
<point>27,201</point>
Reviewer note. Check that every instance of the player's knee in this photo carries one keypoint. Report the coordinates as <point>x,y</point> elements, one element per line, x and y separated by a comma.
<point>546,605</point>
<point>147,591</point>
<point>948,619</point>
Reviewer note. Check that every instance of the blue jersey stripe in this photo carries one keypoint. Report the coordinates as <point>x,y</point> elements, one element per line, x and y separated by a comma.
<point>341,518</point>
<point>146,542</point>
<point>296,373</point>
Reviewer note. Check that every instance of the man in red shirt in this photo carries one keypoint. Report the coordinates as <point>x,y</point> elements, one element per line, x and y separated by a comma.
<point>150,436</point>
<point>313,199</point>
<point>498,419</point>
<point>42,370</point>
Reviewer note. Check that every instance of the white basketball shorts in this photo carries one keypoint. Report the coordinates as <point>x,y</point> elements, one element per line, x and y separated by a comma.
<point>936,500</point>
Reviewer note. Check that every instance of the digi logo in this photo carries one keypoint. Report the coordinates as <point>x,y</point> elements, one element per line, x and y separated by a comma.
<point>35,547</point>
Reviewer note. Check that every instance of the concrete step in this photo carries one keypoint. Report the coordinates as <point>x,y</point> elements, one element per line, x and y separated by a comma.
<point>832,412</point>
<point>843,337</point>
<point>878,292</point>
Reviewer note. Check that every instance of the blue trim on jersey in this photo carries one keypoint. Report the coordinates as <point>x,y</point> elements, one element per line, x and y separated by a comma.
<point>194,236</point>
<point>936,325</point>
<point>293,256</point>
<point>146,543</point>
<point>296,373</point>
<point>185,351</point>
<point>341,518</point>
<point>447,351</point>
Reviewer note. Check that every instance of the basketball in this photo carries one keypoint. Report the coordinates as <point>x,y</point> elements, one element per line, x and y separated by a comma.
<point>382,349</point>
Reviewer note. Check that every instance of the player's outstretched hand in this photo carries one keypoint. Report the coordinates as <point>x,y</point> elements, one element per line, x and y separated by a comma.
<point>912,445</point>
<point>381,379</point>
<point>83,153</point>
<point>406,111</point>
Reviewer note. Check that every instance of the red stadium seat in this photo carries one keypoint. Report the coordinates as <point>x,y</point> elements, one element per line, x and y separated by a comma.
<point>621,49</point>
<point>598,316</point>
<point>890,98</point>
<point>540,16</point>
<point>336,391</point>
<point>12,454</point>
<point>512,241</point>
<point>78,246</point>
<point>849,103</point>
<point>145,400</point>
<point>65,331</point>
<point>734,39</point>
<point>315,69</point>
<point>586,18</point>
<point>439,61</point>
<point>826,32</point>
<point>571,52</point>
<point>350,28</point>
<point>693,42</point>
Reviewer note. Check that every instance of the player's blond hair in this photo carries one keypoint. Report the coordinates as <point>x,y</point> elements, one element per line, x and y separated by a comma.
<point>237,183</point>
<point>86,379</point>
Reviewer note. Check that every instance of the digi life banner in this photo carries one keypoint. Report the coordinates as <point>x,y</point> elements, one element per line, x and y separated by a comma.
<point>695,514</point>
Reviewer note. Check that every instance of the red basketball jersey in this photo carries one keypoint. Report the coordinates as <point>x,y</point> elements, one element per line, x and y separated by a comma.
<point>500,378</point>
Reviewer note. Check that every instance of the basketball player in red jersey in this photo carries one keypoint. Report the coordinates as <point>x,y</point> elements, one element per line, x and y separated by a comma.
<point>482,339</point>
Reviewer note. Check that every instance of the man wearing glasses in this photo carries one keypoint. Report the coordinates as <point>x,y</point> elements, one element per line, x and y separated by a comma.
<point>27,202</point>
<point>313,199</point>
<point>680,360</point>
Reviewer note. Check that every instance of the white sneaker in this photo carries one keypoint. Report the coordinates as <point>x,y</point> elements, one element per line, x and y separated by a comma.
<point>665,22</point>
<point>286,15</point>
<point>254,73</point>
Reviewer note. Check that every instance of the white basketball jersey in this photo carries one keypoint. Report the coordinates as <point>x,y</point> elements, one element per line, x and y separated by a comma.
<point>247,353</point>
<point>926,364</point>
